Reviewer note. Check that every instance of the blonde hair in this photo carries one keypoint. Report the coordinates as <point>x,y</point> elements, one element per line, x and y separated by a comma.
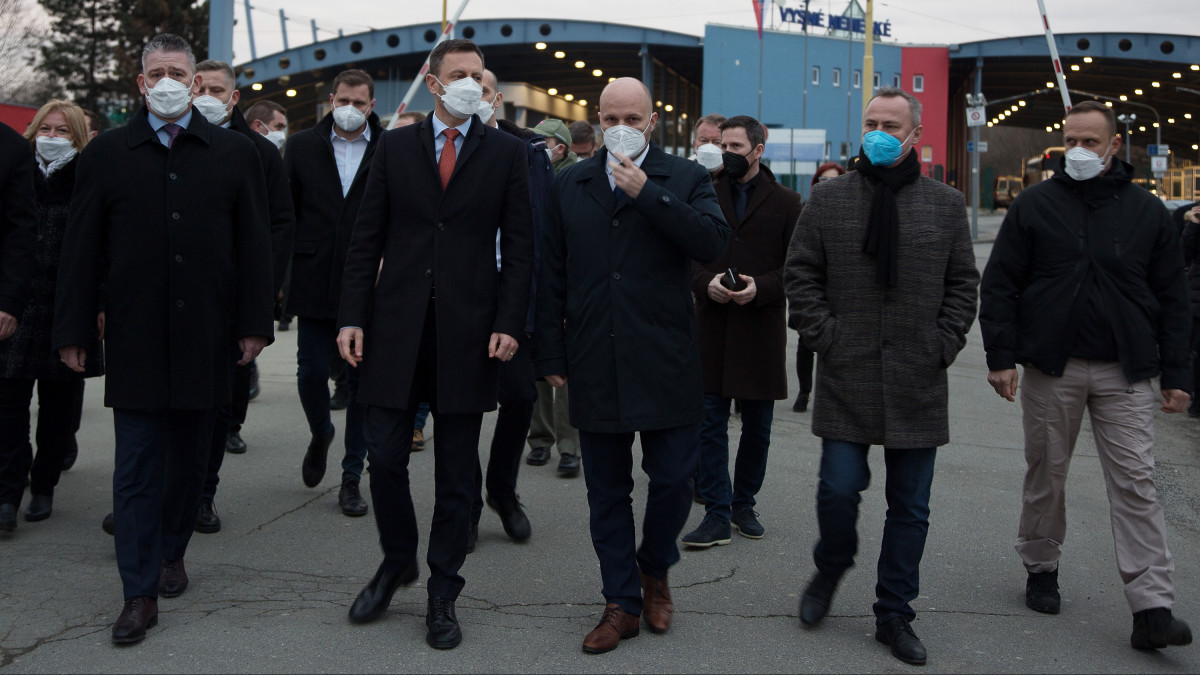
<point>75,122</point>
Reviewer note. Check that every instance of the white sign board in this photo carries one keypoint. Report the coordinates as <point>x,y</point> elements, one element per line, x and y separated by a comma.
<point>976,116</point>
<point>1158,165</point>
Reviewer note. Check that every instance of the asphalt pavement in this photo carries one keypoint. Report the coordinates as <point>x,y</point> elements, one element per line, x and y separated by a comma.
<point>270,592</point>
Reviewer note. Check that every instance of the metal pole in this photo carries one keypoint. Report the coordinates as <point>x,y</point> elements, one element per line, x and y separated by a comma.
<point>283,27</point>
<point>1058,71</point>
<point>762,38</point>
<point>868,65</point>
<point>975,154</point>
<point>250,29</point>
<point>420,78</point>
<point>220,30</point>
<point>314,28</point>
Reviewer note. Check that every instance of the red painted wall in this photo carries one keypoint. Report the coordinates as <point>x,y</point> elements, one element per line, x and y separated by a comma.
<point>934,64</point>
<point>17,116</point>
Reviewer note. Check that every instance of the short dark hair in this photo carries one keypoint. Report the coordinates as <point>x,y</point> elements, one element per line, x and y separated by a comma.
<point>449,47</point>
<point>354,78</point>
<point>168,42</point>
<point>212,64</point>
<point>755,132</point>
<point>1097,106</point>
<point>264,111</point>
<point>414,115</point>
<point>99,122</point>
<point>582,132</point>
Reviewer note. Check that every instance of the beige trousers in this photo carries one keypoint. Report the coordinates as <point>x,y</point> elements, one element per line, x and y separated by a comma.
<point>1122,417</point>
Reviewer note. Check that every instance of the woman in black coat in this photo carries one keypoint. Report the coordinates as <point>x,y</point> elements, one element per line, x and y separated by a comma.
<point>57,134</point>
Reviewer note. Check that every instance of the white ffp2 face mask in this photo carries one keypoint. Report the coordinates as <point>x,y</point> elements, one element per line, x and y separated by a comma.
<point>626,140</point>
<point>709,156</point>
<point>213,109</point>
<point>1083,164</point>
<point>462,97</point>
<point>277,137</point>
<point>169,98</point>
<point>349,118</point>
<point>486,109</point>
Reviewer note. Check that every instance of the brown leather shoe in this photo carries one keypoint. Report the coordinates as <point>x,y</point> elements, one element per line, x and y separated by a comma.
<point>139,614</point>
<point>656,603</point>
<point>172,578</point>
<point>615,625</point>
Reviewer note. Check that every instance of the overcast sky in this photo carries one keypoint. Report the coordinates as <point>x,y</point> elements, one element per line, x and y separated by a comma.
<point>913,21</point>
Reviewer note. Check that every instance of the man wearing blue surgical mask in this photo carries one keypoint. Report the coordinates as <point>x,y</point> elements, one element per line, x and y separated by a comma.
<point>881,280</point>
<point>1085,288</point>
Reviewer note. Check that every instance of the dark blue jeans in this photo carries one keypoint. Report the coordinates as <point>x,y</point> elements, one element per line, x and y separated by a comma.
<point>720,497</point>
<point>316,343</point>
<point>844,475</point>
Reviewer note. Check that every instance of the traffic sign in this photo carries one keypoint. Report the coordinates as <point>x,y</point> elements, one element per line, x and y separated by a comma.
<point>976,116</point>
<point>981,146</point>
<point>1161,150</point>
<point>1158,165</point>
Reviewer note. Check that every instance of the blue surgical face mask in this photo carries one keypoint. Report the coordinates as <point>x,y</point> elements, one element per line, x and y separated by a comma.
<point>882,148</point>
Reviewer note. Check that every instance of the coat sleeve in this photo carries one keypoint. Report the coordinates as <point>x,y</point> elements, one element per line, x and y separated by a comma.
<point>255,293</point>
<point>550,339</point>
<point>960,299</point>
<point>770,284</point>
<point>366,244</point>
<point>694,222</point>
<point>805,278</point>
<point>516,250</point>
<point>1168,281</point>
<point>1004,279</point>
<point>701,277</point>
<point>18,222</point>
<point>283,214</point>
<point>77,296</point>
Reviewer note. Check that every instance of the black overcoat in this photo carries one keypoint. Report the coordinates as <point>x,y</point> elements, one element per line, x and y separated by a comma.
<point>432,238</point>
<point>18,219</point>
<point>27,354</point>
<point>279,197</point>
<point>615,311</point>
<point>181,239</point>
<point>743,348</point>
<point>324,218</point>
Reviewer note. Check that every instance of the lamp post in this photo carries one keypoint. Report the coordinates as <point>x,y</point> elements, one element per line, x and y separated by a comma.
<point>1127,120</point>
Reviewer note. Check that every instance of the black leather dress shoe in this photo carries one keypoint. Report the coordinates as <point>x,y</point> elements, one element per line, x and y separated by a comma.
<point>568,465</point>
<point>139,614</point>
<point>107,525</point>
<point>351,500</point>
<point>39,508</point>
<point>254,388</point>
<point>207,520</point>
<point>234,443</point>
<point>373,600</point>
<point>71,455</point>
<point>444,632</point>
<point>172,579</point>
<point>538,456</point>
<point>905,644</point>
<point>814,604</point>
<point>516,524</point>
<point>8,517</point>
<point>313,469</point>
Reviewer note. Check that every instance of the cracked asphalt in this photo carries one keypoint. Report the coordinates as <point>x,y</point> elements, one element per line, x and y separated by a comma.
<point>270,592</point>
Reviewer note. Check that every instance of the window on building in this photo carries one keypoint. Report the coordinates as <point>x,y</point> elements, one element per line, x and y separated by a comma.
<point>896,80</point>
<point>876,80</point>
<point>828,149</point>
<point>857,79</point>
<point>816,76</point>
<point>918,83</point>
<point>847,148</point>
<point>837,77</point>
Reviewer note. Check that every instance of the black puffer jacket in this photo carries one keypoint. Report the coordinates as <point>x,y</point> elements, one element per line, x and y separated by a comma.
<point>1063,238</point>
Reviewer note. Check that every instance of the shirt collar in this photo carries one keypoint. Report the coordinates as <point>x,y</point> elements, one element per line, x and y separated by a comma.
<point>365,136</point>
<point>440,126</point>
<point>157,123</point>
<point>637,162</point>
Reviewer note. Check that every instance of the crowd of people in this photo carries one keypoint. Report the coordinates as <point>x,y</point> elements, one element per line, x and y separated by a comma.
<point>459,264</point>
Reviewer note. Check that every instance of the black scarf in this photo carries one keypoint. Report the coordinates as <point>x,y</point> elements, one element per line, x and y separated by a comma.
<point>883,225</point>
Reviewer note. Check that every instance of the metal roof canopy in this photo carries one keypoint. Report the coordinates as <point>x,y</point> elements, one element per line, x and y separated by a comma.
<point>1121,64</point>
<point>508,46</point>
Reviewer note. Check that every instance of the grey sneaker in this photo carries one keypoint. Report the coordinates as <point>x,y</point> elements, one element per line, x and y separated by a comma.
<point>745,521</point>
<point>713,530</point>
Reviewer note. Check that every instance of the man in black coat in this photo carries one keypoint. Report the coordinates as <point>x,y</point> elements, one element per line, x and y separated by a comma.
<point>18,227</point>
<point>328,166</point>
<point>440,317</point>
<point>618,321</point>
<point>1086,289</point>
<point>217,101</point>
<point>170,215</point>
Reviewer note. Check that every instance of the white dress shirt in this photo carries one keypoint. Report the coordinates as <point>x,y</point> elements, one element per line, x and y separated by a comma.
<point>349,155</point>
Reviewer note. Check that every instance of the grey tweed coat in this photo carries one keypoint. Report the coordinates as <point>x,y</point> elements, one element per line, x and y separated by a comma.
<point>882,353</point>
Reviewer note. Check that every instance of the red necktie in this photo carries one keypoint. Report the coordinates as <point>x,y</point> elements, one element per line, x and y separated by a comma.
<point>449,156</point>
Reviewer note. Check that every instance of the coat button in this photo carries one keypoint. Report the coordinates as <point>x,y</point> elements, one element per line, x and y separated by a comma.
<point>428,272</point>
<point>172,175</point>
<point>441,226</point>
<point>616,223</point>
<point>179,303</point>
<point>175,215</point>
<point>666,199</point>
<point>178,258</point>
<point>612,333</point>
<point>617,275</point>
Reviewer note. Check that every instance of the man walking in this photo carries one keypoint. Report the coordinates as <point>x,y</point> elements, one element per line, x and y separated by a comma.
<point>882,283</point>
<point>741,313</point>
<point>1085,287</point>
<point>618,323</point>
<point>171,217</point>
<point>435,321</point>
